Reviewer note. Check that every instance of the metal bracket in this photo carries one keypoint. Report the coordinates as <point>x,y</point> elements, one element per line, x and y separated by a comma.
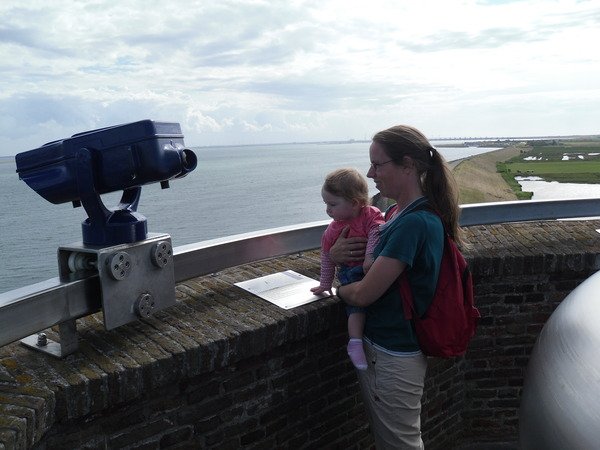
<point>68,344</point>
<point>135,279</point>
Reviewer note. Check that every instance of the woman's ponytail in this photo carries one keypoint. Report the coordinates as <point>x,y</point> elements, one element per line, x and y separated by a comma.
<point>442,192</point>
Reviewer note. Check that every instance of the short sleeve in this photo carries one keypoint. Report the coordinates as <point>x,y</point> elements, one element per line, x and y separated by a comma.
<point>404,239</point>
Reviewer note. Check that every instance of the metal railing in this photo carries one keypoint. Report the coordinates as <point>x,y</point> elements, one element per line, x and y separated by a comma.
<point>33,308</point>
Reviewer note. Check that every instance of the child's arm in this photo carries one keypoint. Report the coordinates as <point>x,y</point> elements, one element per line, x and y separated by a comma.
<point>372,239</point>
<point>368,262</point>
<point>327,274</point>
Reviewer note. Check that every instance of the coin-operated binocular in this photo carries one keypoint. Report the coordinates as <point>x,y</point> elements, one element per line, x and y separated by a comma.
<point>135,268</point>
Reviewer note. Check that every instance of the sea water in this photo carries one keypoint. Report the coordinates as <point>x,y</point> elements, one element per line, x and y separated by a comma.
<point>233,190</point>
<point>548,190</point>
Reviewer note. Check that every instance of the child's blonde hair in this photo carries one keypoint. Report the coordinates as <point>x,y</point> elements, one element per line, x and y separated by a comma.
<point>349,184</point>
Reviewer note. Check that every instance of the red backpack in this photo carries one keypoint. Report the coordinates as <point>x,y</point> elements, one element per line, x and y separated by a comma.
<point>450,321</point>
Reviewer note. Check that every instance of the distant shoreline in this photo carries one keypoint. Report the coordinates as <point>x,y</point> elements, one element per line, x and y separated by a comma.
<point>504,141</point>
<point>472,141</point>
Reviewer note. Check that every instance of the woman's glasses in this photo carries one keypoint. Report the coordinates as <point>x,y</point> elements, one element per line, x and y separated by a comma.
<point>376,166</point>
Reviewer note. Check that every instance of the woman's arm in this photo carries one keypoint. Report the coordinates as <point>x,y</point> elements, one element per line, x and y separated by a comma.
<point>379,278</point>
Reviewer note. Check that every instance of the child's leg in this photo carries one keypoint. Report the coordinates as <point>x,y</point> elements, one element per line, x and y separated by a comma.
<point>356,319</point>
<point>356,324</point>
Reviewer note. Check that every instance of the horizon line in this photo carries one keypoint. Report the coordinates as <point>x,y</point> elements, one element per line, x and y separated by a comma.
<point>350,141</point>
<point>463,138</point>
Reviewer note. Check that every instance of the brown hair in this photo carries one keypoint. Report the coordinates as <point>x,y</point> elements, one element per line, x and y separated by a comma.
<point>349,184</point>
<point>437,181</point>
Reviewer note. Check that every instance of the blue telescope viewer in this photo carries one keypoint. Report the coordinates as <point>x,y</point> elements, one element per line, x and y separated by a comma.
<point>124,157</point>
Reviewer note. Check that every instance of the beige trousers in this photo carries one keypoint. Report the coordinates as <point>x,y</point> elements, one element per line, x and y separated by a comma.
<point>392,387</point>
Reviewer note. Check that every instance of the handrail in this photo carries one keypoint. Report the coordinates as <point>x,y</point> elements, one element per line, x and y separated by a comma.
<point>33,308</point>
<point>202,258</point>
<point>524,211</point>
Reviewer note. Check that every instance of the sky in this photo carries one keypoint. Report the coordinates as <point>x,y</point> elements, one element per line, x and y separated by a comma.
<point>234,72</point>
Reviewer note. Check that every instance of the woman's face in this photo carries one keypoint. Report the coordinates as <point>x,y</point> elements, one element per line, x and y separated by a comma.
<point>383,171</point>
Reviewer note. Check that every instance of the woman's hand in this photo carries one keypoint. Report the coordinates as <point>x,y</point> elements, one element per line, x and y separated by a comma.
<point>347,250</point>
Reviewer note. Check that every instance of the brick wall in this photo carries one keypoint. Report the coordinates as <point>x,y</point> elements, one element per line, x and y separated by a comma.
<point>521,273</point>
<point>300,394</point>
<point>223,369</point>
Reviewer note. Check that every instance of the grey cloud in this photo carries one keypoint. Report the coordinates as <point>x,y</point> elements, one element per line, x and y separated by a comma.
<point>28,38</point>
<point>307,95</point>
<point>273,52</point>
<point>231,34</point>
<point>29,112</point>
<point>225,34</point>
<point>32,27</point>
<point>496,2</point>
<point>237,51</point>
<point>29,121</point>
<point>575,19</point>
<point>221,60</point>
<point>499,36</point>
<point>16,35</point>
<point>490,38</point>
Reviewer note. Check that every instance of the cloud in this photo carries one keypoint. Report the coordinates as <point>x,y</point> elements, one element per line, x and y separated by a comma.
<point>261,71</point>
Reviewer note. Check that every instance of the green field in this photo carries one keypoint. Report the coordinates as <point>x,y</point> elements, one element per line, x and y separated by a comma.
<point>550,162</point>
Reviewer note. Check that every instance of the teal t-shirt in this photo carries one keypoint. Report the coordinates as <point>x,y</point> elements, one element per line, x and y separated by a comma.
<point>417,239</point>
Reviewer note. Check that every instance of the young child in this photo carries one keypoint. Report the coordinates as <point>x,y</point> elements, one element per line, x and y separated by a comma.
<point>346,194</point>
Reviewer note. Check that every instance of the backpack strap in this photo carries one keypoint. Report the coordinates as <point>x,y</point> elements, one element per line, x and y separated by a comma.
<point>389,212</point>
<point>419,207</point>
<point>408,303</point>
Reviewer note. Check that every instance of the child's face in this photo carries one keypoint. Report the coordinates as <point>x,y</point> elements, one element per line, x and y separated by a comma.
<point>338,208</point>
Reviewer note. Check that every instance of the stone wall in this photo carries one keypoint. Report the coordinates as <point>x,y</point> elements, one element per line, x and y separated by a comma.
<point>224,369</point>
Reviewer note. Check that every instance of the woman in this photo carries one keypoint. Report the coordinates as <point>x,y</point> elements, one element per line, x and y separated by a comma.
<point>407,169</point>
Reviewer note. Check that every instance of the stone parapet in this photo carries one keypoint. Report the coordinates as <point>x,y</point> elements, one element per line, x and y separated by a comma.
<point>225,369</point>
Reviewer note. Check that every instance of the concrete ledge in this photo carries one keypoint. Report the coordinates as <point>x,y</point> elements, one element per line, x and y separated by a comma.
<point>522,271</point>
